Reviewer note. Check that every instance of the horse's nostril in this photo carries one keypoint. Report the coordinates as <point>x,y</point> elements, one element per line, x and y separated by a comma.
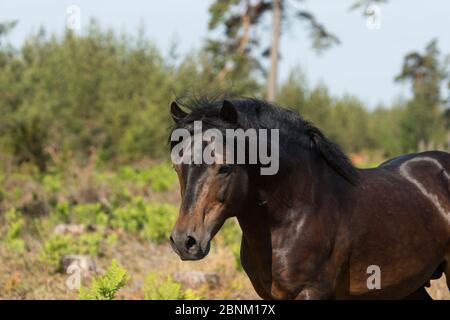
<point>171,239</point>
<point>190,242</point>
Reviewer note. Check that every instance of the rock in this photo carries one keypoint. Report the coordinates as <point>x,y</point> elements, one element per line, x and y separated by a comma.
<point>85,263</point>
<point>195,279</point>
<point>74,229</point>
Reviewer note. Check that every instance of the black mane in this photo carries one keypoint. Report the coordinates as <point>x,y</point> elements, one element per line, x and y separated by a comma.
<point>296,134</point>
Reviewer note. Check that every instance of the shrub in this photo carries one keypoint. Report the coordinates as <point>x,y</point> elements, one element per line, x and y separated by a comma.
<point>89,213</point>
<point>61,213</point>
<point>162,177</point>
<point>130,217</point>
<point>160,220</point>
<point>55,248</point>
<point>151,221</point>
<point>106,286</point>
<point>156,288</point>
<point>58,246</point>
<point>52,183</point>
<point>89,243</point>
<point>231,236</point>
<point>14,224</point>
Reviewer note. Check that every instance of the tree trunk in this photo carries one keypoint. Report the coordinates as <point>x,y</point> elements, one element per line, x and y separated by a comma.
<point>276,22</point>
<point>242,42</point>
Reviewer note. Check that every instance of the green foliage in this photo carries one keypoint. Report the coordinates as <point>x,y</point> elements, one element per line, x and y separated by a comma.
<point>89,213</point>
<point>52,183</point>
<point>106,286</point>
<point>54,249</point>
<point>423,122</point>
<point>160,177</point>
<point>112,239</point>
<point>58,246</point>
<point>61,213</point>
<point>232,236</point>
<point>89,243</point>
<point>156,288</point>
<point>394,130</point>
<point>14,225</point>
<point>152,221</point>
<point>69,93</point>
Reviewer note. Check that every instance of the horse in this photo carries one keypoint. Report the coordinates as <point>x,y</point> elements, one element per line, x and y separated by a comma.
<point>319,228</point>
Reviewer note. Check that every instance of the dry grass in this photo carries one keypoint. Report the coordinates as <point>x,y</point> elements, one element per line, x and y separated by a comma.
<point>26,278</point>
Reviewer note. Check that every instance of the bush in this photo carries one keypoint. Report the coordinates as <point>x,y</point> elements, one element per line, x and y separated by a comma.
<point>58,246</point>
<point>160,177</point>
<point>61,213</point>
<point>52,183</point>
<point>151,221</point>
<point>55,248</point>
<point>157,289</point>
<point>106,286</point>
<point>14,224</point>
<point>231,235</point>
<point>160,220</point>
<point>89,213</point>
<point>89,243</point>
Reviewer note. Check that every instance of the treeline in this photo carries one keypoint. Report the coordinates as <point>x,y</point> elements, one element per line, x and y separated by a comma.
<point>110,92</point>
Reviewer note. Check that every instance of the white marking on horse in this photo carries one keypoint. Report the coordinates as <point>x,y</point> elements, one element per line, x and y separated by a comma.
<point>404,171</point>
<point>300,224</point>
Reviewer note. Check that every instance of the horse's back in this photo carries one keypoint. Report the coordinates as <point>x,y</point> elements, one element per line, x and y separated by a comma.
<point>426,174</point>
<point>406,203</point>
<point>439,156</point>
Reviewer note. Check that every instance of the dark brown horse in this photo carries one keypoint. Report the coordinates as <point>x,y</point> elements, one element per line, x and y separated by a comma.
<point>314,229</point>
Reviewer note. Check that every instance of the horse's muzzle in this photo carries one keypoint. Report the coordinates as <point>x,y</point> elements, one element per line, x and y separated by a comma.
<point>188,246</point>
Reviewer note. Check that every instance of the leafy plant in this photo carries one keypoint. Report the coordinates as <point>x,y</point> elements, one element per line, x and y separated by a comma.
<point>52,183</point>
<point>160,220</point>
<point>14,224</point>
<point>151,221</point>
<point>89,243</point>
<point>89,213</point>
<point>106,286</point>
<point>162,177</point>
<point>55,248</point>
<point>58,246</point>
<point>231,236</point>
<point>61,213</point>
<point>156,288</point>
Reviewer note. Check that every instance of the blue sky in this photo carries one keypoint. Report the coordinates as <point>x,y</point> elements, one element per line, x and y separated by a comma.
<point>363,65</point>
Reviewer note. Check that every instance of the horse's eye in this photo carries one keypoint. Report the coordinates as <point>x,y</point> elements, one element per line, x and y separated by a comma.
<point>224,169</point>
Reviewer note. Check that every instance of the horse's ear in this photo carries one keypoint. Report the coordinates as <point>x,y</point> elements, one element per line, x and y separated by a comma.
<point>228,112</point>
<point>176,112</point>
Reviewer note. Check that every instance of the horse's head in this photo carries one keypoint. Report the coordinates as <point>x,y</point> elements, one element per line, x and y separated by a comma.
<point>210,193</point>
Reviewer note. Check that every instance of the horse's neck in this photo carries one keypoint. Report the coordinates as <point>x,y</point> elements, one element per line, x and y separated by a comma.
<point>285,200</point>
